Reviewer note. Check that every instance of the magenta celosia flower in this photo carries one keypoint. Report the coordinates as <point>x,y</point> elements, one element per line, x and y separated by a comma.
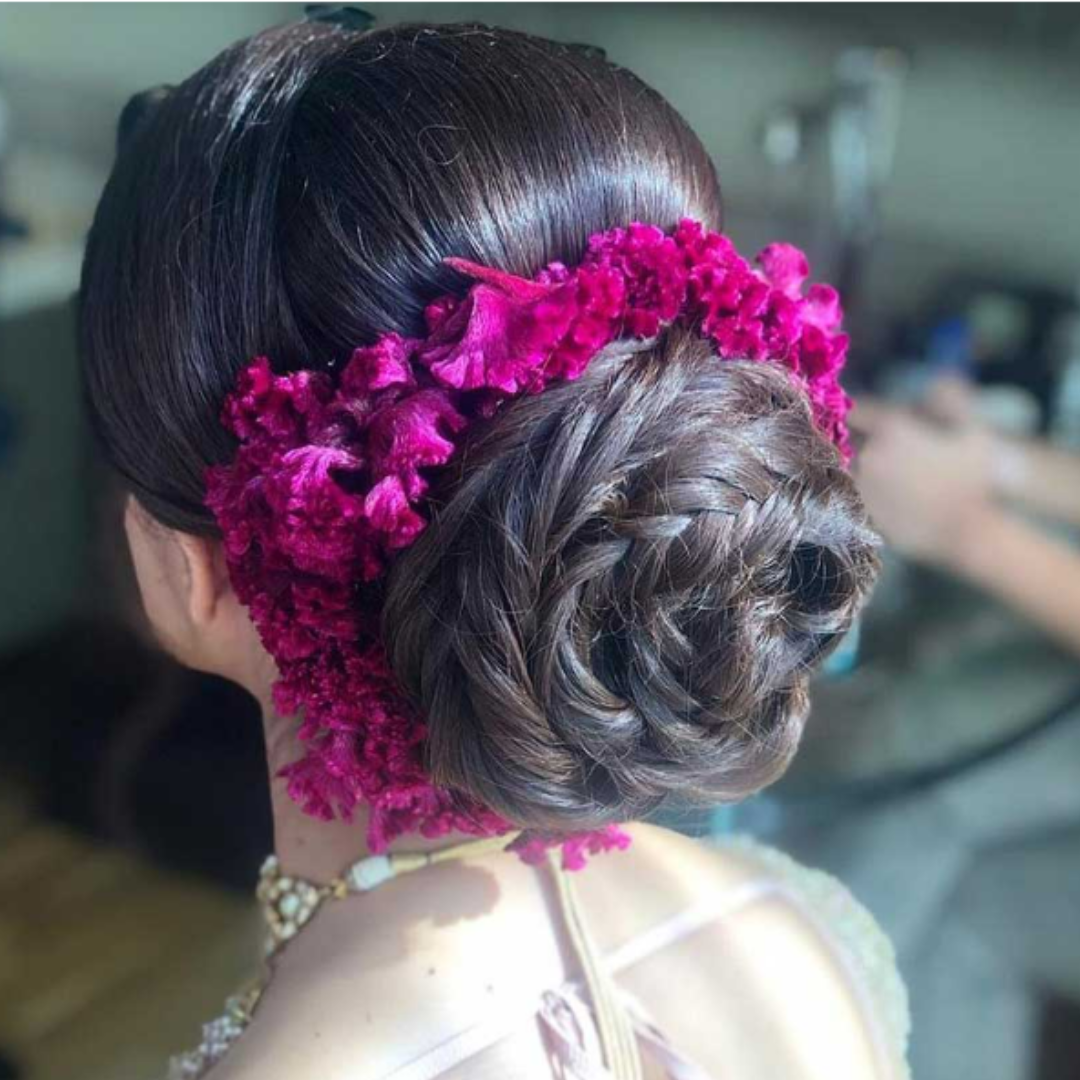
<point>386,364</point>
<point>414,432</point>
<point>318,526</point>
<point>330,474</point>
<point>785,268</point>
<point>501,335</point>
<point>387,508</point>
<point>273,410</point>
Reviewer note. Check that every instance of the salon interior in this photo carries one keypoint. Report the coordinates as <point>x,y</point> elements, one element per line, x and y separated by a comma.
<point>927,157</point>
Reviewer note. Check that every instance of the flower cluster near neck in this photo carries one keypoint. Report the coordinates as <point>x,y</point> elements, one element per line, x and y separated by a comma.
<point>329,479</point>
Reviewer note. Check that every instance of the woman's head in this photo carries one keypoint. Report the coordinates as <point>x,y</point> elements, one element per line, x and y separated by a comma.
<point>626,579</point>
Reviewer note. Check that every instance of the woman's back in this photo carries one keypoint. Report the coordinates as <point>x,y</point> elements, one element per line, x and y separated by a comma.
<point>748,965</point>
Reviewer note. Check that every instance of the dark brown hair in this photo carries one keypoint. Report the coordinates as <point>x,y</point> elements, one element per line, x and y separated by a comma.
<point>295,198</point>
<point>627,580</point>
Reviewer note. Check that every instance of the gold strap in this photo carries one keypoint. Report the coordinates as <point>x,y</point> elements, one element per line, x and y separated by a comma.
<point>618,1040</point>
<point>406,861</point>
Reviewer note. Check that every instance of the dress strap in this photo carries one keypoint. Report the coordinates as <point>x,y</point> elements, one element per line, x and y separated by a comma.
<point>558,1010</point>
<point>688,922</point>
<point>618,1040</point>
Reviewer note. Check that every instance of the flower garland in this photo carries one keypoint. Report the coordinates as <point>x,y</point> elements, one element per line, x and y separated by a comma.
<point>329,479</point>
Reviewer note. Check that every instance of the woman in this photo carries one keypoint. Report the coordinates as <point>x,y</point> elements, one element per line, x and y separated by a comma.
<point>514,549</point>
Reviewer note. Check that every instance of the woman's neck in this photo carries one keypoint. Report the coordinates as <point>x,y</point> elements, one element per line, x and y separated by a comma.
<point>307,847</point>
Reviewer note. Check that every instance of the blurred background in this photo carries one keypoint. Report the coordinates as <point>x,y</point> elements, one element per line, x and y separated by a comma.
<point>928,158</point>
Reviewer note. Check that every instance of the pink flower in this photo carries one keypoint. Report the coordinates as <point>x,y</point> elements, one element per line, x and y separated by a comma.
<point>317,524</point>
<point>653,268</point>
<point>785,268</point>
<point>600,302</point>
<point>500,337</point>
<point>533,847</point>
<point>821,355</point>
<point>387,508</point>
<point>387,363</point>
<point>822,308</point>
<point>410,434</point>
<point>275,409</point>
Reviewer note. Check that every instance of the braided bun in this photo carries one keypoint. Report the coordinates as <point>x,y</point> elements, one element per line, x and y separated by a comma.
<point>625,587</point>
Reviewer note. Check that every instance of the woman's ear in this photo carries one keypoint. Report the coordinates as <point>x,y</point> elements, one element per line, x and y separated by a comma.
<point>222,639</point>
<point>189,601</point>
<point>207,578</point>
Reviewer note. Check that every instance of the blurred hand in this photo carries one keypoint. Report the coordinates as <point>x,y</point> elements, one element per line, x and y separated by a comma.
<point>927,487</point>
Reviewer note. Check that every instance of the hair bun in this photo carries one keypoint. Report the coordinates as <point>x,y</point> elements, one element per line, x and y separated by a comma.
<point>625,587</point>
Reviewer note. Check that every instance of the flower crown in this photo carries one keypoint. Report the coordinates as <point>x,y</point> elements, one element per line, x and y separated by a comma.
<point>329,479</point>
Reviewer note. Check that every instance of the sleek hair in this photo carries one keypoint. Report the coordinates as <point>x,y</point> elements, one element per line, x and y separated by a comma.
<point>295,197</point>
<point>628,579</point>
